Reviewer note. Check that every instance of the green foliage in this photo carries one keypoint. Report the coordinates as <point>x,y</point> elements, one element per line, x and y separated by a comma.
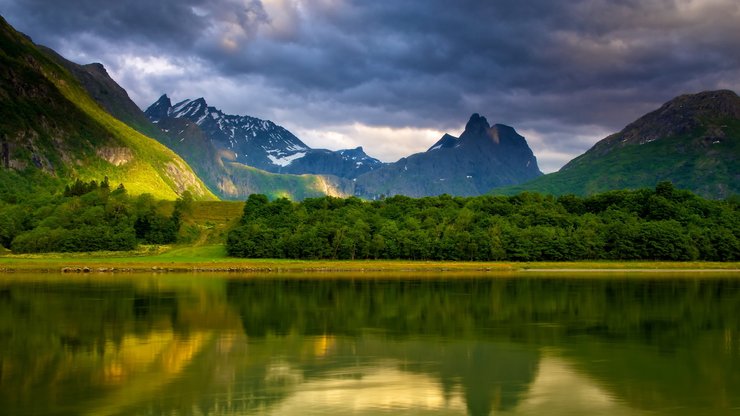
<point>660,224</point>
<point>88,216</point>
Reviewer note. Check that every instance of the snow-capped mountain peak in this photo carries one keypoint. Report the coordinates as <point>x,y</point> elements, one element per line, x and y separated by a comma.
<point>260,143</point>
<point>255,142</point>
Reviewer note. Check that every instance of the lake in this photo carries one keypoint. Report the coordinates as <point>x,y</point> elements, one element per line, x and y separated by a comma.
<point>436,344</point>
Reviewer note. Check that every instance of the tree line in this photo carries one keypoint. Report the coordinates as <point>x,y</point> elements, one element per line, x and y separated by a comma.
<point>87,216</point>
<point>646,224</point>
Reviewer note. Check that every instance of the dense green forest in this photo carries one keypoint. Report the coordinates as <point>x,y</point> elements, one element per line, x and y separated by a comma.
<point>647,224</point>
<point>86,216</point>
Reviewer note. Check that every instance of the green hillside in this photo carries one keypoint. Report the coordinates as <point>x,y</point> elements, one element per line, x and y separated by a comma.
<point>48,122</point>
<point>692,141</point>
<point>247,180</point>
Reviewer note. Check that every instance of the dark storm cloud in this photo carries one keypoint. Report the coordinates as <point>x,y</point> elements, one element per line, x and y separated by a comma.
<point>556,69</point>
<point>164,24</point>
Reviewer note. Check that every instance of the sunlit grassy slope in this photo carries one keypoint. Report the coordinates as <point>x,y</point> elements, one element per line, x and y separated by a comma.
<point>274,185</point>
<point>155,169</point>
<point>208,222</point>
<point>52,122</point>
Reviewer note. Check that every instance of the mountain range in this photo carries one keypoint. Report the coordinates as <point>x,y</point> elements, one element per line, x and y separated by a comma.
<point>483,158</point>
<point>65,120</point>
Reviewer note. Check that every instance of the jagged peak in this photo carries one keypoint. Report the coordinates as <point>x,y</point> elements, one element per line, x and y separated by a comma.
<point>164,99</point>
<point>160,109</point>
<point>477,124</point>
<point>446,141</point>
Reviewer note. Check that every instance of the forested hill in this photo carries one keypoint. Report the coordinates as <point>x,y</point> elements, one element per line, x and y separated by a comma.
<point>650,224</point>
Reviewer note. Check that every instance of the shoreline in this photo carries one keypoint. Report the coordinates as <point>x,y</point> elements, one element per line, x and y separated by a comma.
<point>156,265</point>
<point>213,259</point>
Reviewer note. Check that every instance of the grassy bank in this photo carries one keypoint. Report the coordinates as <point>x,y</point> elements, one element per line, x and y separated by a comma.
<point>212,258</point>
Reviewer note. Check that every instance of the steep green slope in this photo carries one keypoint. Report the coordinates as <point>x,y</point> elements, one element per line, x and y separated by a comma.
<point>692,141</point>
<point>226,179</point>
<point>48,122</point>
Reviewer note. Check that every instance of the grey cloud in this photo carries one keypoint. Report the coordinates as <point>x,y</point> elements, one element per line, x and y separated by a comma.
<point>538,65</point>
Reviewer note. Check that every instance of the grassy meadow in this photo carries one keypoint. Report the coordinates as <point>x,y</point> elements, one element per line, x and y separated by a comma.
<point>212,258</point>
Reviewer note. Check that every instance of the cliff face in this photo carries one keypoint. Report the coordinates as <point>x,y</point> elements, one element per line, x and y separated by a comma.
<point>483,158</point>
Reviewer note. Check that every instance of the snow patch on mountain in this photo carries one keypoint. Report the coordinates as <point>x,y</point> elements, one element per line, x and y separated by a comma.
<point>285,160</point>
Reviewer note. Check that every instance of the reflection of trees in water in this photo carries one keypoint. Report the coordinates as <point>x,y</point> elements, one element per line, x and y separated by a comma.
<point>59,340</point>
<point>631,320</point>
<point>646,340</point>
<point>543,310</point>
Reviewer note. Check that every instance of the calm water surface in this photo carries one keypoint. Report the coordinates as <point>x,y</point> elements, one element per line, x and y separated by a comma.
<point>298,345</point>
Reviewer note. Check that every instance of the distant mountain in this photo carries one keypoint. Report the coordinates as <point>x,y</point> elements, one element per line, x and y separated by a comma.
<point>484,157</point>
<point>692,140</point>
<point>258,143</point>
<point>233,180</point>
<point>261,143</point>
<point>50,125</point>
<point>348,163</point>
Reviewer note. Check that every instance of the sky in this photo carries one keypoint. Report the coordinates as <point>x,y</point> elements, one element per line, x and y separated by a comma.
<point>394,75</point>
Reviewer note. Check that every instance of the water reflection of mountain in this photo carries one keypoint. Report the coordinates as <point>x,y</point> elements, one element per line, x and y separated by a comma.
<point>181,345</point>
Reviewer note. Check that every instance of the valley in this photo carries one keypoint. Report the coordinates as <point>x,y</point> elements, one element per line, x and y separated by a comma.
<point>64,122</point>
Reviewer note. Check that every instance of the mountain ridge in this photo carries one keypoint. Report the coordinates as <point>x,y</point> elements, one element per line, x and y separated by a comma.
<point>262,143</point>
<point>48,122</point>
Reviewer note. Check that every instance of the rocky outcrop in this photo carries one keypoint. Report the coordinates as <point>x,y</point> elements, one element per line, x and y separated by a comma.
<point>116,156</point>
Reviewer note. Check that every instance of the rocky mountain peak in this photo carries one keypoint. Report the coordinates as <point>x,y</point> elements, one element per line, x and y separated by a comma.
<point>482,158</point>
<point>164,99</point>
<point>477,125</point>
<point>159,109</point>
